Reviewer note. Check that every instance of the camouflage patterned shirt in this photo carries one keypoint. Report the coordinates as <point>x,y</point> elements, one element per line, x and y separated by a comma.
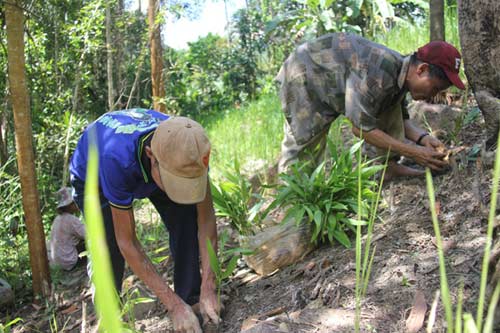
<point>336,74</point>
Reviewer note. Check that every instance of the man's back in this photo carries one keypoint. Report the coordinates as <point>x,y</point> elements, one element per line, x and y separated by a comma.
<point>339,74</point>
<point>333,59</point>
<point>67,232</point>
<point>120,137</point>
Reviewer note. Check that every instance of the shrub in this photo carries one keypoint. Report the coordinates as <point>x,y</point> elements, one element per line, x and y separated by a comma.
<point>326,194</point>
<point>232,198</point>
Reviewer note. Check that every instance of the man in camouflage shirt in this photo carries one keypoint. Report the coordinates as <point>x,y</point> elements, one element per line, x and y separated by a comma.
<point>346,74</point>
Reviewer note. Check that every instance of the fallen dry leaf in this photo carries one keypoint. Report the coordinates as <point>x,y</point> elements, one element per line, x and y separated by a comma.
<point>417,315</point>
<point>437,207</point>
<point>72,308</point>
<point>447,243</point>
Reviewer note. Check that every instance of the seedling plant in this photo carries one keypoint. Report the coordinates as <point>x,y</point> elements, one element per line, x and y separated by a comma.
<point>232,198</point>
<point>326,194</point>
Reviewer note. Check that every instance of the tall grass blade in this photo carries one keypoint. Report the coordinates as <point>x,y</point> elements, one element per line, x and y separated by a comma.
<point>458,314</point>
<point>373,214</point>
<point>442,268</point>
<point>488,325</point>
<point>489,240</point>
<point>105,296</point>
<point>357,318</point>
<point>366,272</point>
<point>469,324</point>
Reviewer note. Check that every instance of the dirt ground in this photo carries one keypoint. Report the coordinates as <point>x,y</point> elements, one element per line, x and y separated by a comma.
<point>317,293</point>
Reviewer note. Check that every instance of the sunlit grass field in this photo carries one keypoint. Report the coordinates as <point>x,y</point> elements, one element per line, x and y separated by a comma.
<point>251,133</point>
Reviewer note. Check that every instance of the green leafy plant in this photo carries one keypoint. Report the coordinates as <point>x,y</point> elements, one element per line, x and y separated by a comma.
<point>217,261</point>
<point>232,198</point>
<point>130,299</point>
<point>326,194</point>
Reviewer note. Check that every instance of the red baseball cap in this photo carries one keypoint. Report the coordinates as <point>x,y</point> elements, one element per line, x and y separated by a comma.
<point>444,55</point>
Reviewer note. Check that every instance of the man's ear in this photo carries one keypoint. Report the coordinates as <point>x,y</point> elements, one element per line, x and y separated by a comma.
<point>423,68</point>
<point>149,152</point>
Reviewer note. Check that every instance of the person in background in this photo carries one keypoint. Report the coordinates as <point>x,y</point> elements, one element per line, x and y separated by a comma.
<point>67,236</point>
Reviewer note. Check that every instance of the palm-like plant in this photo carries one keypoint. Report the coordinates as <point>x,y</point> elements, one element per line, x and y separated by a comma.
<point>325,195</point>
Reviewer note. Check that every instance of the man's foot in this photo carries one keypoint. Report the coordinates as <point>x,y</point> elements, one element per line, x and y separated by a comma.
<point>395,170</point>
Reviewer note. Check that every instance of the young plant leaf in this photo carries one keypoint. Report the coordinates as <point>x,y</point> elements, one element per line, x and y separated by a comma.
<point>212,256</point>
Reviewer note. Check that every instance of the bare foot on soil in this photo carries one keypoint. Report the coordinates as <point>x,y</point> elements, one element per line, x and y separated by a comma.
<point>395,170</point>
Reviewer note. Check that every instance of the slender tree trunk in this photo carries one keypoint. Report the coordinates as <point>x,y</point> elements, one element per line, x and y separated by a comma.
<point>137,77</point>
<point>121,84</point>
<point>479,28</point>
<point>226,11</point>
<point>437,20</point>
<point>3,138</point>
<point>76,93</point>
<point>157,83</point>
<point>14,19</point>
<point>109,55</point>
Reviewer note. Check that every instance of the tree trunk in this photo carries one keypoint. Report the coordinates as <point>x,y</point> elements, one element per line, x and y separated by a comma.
<point>157,84</point>
<point>480,39</point>
<point>109,55</point>
<point>136,80</point>
<point>3,137</point>
<point>437,20</point>
<point>14,19</point>
<point>121,84</point>
<point>479,29</point>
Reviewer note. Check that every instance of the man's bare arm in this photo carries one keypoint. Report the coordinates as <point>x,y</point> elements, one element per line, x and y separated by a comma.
<point>207,230</point>
<point>412,131</point>
<point>181,314</point>
<point>132,251</point>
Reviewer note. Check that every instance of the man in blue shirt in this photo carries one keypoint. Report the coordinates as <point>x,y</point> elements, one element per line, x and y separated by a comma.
<point>146,154</point>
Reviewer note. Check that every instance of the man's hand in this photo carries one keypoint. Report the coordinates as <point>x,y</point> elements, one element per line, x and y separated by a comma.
<point>209,306</point>
<point>429,157</point>
<point>431,142</point>
<point>184,320</point>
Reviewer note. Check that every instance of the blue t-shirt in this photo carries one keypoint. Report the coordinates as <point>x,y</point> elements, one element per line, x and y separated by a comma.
<point>120,139</point>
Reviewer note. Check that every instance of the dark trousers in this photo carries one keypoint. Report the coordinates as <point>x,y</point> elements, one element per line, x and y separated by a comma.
<point>181,223</point>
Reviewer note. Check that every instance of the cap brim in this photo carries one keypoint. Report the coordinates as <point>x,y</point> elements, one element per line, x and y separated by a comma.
<point>184,190</point>
<point>455,80</point>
